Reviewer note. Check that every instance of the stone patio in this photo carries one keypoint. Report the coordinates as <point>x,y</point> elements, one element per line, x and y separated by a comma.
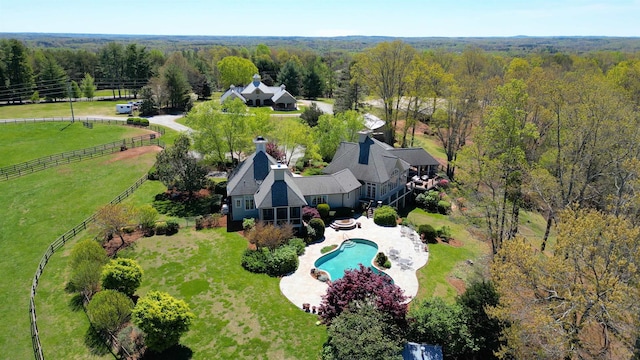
<point>301,288</point>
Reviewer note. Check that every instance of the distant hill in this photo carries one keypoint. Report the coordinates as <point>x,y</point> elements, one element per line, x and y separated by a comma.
<point>506,45</point>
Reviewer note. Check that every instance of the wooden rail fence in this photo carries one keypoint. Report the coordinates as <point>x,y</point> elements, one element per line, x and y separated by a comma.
<point>53,247</point>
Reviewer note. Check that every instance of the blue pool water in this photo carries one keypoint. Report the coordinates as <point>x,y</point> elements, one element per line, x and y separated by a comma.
<point>350,254</point>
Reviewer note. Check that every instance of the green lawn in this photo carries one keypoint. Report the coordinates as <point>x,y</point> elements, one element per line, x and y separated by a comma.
<point>62,109</point>
<point>37,208</point>
<point>239,315</point>
<point>446,261</point>
<point>34,140</point>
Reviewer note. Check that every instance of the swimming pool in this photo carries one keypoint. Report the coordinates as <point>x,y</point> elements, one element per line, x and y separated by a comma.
<point>350,254</point>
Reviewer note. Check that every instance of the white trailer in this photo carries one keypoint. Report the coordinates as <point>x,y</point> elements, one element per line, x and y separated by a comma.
<point>124,108</point>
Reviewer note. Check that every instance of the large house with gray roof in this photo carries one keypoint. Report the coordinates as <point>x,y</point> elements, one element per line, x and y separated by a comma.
<point>258,94</point>
<point>368,171</point>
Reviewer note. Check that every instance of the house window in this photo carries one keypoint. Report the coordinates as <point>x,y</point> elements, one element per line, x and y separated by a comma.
<point>318,199</point>
<point>248,203</point>
<point>238,203</point>
<point>394,178</point>
<point>281,215</point>
<point>370,190</point>
<point>294,215</point>
<point>267,215</point>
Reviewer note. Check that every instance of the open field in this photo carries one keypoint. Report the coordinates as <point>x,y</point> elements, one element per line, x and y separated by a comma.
<point>33,140</point>
<point>37,208</point>
<point>446,261</point>
<point>62,109</point>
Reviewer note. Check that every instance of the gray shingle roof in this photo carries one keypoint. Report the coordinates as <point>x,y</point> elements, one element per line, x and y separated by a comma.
<point>242,180</point>
<point>415,156</point>
<point>233,92</point>
<point>379,164</point>
<point>272,192</point>
<point>339,183</point>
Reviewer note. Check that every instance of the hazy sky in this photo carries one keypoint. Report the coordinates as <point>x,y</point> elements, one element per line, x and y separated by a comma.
<point>324,17</point>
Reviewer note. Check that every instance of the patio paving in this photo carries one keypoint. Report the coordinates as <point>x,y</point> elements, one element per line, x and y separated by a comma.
<point>301,288</point>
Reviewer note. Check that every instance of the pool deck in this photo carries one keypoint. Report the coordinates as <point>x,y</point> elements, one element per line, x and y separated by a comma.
<point>301,288</point>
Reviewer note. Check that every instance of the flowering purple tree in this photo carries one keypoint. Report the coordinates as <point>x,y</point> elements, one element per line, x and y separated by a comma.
<point>363,285</point>
<point>273,150</point>
<point>309,213</point>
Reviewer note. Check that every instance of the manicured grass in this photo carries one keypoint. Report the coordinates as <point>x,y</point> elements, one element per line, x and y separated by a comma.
<point>446,261</point>
<point>34,140</point>
<point>239,315</point>
<point>37,209</point>
<point>62,109</point>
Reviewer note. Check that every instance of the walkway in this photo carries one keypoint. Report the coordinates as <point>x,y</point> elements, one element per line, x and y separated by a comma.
<point>301,288</point>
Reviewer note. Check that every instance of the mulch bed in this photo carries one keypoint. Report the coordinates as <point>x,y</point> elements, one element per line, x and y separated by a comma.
<point>458,284</point>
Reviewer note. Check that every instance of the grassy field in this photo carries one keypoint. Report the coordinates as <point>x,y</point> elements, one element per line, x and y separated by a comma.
<point>34,140</point>
<point>37,209</point>
<point>62,109</point>
<point>446,261</point>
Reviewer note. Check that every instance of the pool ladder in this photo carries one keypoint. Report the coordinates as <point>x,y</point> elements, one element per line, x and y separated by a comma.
<point>348,243</point>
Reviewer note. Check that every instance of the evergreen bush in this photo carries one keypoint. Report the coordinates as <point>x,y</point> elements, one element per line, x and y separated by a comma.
<point>385,216</point>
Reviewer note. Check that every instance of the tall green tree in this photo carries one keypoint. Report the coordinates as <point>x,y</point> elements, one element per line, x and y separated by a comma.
<point>435,322</point>
<point>363,332</point>
<point>52,80</point>
<point>497,161</point>
<point>18,71</point>
<point>137,67</point>
<point>234,70</point>
<point>109,310</point>
<point>384,68</point>
<point>177,168</point>
<point>177,87</point>
<point>112,62</point>
<point>88,86</point>
<point>580,301</point>
<point>290,75</point>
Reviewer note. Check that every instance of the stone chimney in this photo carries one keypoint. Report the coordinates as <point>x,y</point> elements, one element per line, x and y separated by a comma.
<point>261,144</point>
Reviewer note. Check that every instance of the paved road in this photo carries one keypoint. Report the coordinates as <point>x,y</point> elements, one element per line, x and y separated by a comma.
<point>326,108</point>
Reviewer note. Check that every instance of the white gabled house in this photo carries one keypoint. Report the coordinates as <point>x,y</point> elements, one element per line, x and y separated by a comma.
<point>258,94</point>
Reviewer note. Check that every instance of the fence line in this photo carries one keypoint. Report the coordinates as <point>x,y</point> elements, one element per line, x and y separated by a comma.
<point>80,119</point>
<point>53,247</point>
<point>31,166</point>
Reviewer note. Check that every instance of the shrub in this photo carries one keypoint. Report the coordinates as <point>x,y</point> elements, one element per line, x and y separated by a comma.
<point>323,210</point>
<point>248,223</point>
<point>318,227</point>
<point>428,232</point>
<point>385,216</point>
<point>444,233</point>
<point>278,262</point>
<point>147,216</point>
<point>309,213</point>
<point>124,275</point>
<point>428,201</point>
<point>269,235</point>
<point>443,183</point>
<point>108,310</point>
<point>381,259</point>
<point>153,174</point>
<point>131,340</point>
<point>172,227</point>
<point>143,122</point>
<point>444,207</point>
<point>163,318</point>
<point>208,221</point>
<point>161,228</point>
<point>255,261</point>
<point>282,261</point>
<point>387,264</point>
<point>313,171</point>
<point>298,245</point>
<point>130,121</point>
